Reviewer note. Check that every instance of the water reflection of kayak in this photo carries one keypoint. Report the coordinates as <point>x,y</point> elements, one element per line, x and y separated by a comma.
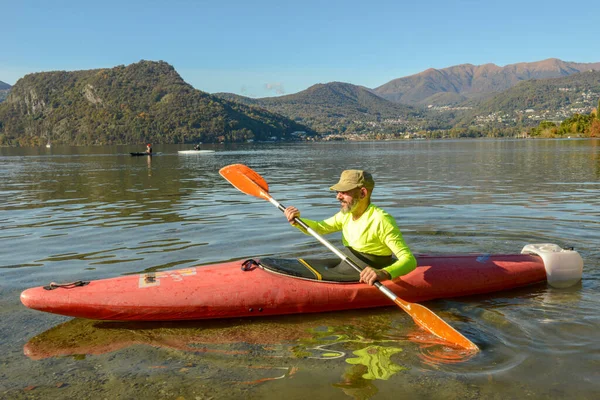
<point>316,336</point>
<point>84,336</point>
<point>273,286</point>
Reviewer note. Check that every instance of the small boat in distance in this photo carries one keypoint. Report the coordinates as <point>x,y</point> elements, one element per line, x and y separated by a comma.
<point>148,151</point>
<point>195,151</point>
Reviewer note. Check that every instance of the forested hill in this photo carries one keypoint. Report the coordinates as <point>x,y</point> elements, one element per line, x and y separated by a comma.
<point>539,99</point>
<point>333,107</point>
<point>139,103</point>
<point>4,89</point>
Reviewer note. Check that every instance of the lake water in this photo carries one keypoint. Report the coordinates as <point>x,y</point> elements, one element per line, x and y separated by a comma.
<point>87,213</point>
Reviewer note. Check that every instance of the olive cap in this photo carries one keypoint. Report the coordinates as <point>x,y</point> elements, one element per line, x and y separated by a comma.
<point>352,179</point>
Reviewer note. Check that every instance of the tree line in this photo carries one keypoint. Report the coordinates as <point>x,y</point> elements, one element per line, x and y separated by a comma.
<point>580,125</point>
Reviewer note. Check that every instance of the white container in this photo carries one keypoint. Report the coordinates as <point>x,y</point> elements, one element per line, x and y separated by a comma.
<point>564,268</point>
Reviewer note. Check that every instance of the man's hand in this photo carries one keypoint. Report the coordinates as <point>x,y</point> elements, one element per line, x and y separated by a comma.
<point>369,275</point>
<point>291,213</point>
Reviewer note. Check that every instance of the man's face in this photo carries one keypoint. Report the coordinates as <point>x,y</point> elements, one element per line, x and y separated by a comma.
<point>349,200</point>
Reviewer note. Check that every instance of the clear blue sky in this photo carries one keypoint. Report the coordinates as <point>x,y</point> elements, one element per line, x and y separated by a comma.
<point>262,48</point>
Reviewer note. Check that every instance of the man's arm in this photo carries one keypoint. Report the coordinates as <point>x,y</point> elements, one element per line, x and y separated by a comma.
<point>330,225</point>
<point>406,261</point>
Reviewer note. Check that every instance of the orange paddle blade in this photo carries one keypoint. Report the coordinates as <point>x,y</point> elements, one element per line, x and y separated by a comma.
<point>246,180</point>
<point>429,321</point>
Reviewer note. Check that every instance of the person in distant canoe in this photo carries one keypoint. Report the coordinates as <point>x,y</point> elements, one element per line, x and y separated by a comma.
<point>149,148</point>
<point>369,233</point>
<point>197,147</point>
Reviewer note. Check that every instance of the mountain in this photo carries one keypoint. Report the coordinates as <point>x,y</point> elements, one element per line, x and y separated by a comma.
<point>453,85</point>
<point>453,95</point>
<point>149,102</point>
<point>145,102</point>
<point>334,107</point>
<point>4,90</point>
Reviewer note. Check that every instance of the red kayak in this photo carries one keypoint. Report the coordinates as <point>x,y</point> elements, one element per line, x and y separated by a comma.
<point>289,286</point>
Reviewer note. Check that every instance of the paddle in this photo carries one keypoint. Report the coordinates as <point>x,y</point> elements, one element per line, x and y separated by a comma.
<point>250,182</point>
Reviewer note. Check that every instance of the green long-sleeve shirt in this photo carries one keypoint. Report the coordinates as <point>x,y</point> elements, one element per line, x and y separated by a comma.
<point>375,232</point>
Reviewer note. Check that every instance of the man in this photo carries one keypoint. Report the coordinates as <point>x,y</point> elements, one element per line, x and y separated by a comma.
<point>370,233</point>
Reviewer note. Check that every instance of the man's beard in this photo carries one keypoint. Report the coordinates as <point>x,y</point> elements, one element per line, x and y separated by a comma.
<point>349,207</point>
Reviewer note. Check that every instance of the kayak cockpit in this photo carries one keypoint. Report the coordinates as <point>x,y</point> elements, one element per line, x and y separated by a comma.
<point>321,269</point>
